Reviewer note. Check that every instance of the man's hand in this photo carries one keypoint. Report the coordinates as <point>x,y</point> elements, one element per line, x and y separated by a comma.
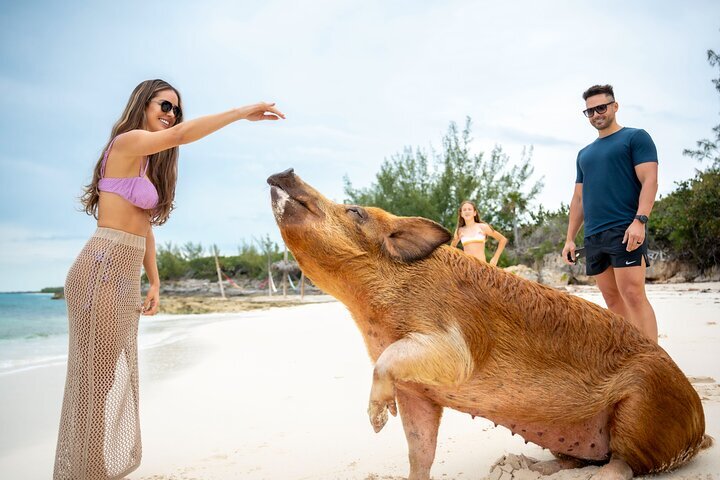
<point>634,235</point>
<point>568,252</point>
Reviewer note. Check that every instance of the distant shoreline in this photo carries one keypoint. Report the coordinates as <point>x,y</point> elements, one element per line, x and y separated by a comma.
<point>25,292</point>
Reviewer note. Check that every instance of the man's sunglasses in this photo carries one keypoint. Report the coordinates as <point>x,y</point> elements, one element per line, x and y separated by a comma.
<point>599,109</point>
<point>166,106</point>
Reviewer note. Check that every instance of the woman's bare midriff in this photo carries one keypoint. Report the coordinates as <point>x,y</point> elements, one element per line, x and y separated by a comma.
<point>476,249</point>
<point>116,212</point>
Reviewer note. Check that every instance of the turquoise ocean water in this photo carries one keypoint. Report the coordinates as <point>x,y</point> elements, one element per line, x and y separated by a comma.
<point>34,331</point>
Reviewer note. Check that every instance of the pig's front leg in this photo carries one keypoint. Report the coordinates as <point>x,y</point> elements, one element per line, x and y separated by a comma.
<point>421,419</point>
<point>441,358</point>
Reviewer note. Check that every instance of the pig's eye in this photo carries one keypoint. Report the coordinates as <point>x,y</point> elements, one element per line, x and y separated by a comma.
<point>356,212</point>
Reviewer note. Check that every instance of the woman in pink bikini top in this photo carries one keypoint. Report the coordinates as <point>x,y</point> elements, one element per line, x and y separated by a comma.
<point>132,189</point>
<point>473,233</point>
<point>133,185</point>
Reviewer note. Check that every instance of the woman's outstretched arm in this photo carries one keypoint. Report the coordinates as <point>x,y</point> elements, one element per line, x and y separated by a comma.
<point>141,143</point>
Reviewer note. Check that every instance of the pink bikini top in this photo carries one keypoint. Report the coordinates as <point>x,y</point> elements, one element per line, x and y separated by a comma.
<point>137,190</point>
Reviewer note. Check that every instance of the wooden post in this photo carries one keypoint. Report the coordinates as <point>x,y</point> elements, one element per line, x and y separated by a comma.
<point>302,285</point>
<point>219,274</point>
<point>285,274</point>
<point>266,246</point>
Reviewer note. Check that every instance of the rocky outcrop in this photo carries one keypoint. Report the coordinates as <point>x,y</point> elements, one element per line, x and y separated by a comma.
<point>685,274</point>
<point>661,270</point>
<point>554,271</point>
<point>664,270</point>
<point>710,275</point>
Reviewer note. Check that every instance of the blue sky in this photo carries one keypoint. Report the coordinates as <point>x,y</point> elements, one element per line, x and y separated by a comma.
<point>358,80</point>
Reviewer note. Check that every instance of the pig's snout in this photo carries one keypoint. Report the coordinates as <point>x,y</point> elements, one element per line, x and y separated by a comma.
<point>281,179</point>
<point>292,199</point>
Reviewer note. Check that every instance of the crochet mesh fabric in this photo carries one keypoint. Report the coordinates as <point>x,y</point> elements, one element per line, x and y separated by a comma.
<point>99,434</point>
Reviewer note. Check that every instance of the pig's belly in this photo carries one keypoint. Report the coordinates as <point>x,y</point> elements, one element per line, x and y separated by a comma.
<point>587,439</point>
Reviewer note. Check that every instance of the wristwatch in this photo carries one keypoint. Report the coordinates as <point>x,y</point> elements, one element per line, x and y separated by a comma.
<point>643,218</point>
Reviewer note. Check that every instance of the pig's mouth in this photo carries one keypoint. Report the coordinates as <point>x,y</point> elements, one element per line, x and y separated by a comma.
<point>290,202</point>
<point>281,197</point>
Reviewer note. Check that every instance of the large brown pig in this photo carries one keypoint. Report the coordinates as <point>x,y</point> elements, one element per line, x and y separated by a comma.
<point>446,330</point>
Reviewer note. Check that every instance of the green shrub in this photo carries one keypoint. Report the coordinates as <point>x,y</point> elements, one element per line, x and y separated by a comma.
<point>687,223</point>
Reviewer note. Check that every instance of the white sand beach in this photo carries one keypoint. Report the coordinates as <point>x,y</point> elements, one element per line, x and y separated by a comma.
<point>282,394</point>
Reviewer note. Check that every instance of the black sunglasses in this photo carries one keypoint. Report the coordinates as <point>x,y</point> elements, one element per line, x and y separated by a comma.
<point>599,109</point>
<point>166,106</point>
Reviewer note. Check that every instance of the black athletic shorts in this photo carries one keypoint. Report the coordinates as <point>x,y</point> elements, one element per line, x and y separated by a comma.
<point>606,248</point>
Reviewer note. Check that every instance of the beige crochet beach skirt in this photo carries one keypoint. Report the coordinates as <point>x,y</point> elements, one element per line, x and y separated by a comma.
<point>99,426</point>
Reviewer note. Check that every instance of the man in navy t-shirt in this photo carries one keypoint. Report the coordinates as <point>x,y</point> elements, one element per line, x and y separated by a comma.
<point>614,193</point>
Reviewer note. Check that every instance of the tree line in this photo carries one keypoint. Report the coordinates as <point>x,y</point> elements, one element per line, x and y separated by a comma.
<point>192,260</point>
<point>433,184</point>
<point>685,224</point>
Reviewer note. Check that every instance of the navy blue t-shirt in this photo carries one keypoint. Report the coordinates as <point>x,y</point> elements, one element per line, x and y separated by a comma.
<point>610,187</point>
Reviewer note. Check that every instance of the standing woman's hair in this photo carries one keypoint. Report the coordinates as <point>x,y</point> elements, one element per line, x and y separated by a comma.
<point>163,165</point>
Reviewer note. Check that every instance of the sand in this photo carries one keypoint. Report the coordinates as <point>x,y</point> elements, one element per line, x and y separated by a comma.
<point>193,304</point>
<point>282,394</point>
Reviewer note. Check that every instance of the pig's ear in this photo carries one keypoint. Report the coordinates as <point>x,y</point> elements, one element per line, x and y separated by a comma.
<point>414,238</point>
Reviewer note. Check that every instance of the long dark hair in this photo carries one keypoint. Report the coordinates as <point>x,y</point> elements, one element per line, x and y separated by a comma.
<point>163,165</point>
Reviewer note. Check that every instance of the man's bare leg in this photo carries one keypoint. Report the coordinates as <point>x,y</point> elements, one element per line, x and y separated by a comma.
<point>631,285</point>
<point>607,284</point>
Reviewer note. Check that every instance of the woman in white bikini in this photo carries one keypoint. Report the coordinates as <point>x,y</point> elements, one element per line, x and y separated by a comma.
<point>472,233</point>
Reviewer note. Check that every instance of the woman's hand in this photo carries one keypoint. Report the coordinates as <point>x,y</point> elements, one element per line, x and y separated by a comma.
<point>152,301</point>
<point>262,111</point>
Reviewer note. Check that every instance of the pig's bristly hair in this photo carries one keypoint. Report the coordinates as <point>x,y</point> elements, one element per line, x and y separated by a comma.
<point>462,317</point>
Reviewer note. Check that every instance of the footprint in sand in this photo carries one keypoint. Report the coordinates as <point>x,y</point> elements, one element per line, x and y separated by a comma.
<point>707,388</point>
<point>516,467</point>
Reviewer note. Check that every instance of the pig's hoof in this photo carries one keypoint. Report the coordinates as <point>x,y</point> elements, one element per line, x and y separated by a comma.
<point>378,414</point>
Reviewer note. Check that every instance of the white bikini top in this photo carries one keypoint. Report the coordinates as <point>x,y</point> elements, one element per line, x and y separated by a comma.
<point>476,238</point>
